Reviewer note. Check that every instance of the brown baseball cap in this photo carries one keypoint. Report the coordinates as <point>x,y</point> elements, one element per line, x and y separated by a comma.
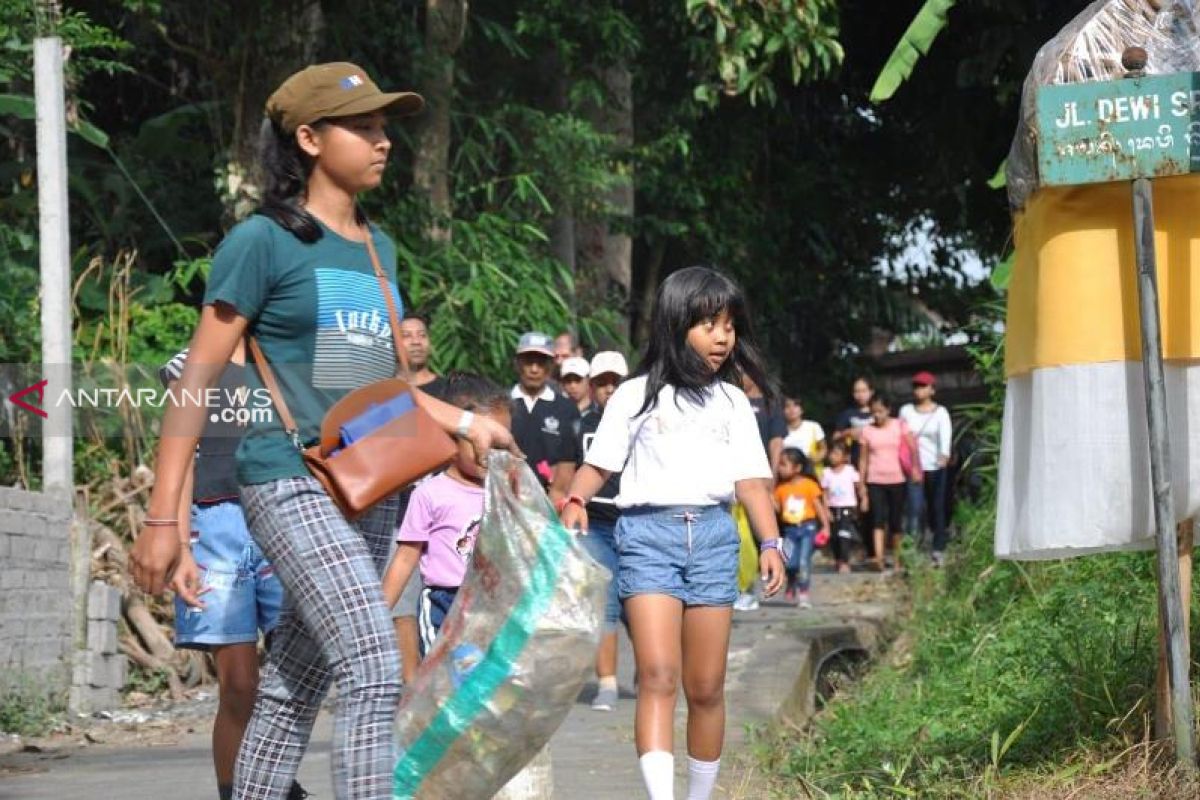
<point>337,89</point>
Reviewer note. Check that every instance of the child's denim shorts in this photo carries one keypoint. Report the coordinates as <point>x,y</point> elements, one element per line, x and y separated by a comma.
<point>687,552</point>
<point>244,594</point>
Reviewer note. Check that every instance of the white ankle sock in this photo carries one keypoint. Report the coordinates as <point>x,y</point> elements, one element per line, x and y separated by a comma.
<point>702,777</point>
<point>608,682</point>
<point>658,771</point>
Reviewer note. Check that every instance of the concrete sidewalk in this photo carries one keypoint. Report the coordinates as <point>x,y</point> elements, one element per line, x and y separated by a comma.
<point>771,657</point>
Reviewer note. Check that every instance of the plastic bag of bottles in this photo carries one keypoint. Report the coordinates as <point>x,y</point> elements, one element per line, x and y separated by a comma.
<point>512,654</point>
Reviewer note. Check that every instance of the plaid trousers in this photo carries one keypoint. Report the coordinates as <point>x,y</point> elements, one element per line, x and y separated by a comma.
<point>334,626</point>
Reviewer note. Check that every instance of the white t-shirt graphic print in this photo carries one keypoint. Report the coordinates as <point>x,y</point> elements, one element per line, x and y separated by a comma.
<point>679,453</point>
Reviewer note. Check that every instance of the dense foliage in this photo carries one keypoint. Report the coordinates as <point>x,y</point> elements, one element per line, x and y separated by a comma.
<point>731,133</point>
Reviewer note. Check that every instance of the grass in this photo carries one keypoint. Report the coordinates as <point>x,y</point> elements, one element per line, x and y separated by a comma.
<point>1008,679</point>
<point>26,708</point>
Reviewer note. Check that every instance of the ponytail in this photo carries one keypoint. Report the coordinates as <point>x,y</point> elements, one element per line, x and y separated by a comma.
<point>286,169</point>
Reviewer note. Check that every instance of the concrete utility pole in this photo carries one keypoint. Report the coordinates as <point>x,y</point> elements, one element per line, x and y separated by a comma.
<point>55,252</point>
<point>54,247</point>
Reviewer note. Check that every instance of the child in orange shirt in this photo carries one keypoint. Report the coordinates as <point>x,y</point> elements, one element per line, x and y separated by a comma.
<point>800,504</point>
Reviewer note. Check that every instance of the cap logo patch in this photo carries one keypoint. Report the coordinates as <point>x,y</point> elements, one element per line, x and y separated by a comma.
<point>351,81</point>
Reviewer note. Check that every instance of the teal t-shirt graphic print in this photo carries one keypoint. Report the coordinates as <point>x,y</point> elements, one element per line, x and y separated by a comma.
<point>320,317</point>
<point>352,326</point>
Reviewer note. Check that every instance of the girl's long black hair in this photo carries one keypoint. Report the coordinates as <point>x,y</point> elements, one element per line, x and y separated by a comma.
<point>686,298</point>
<point>285,180</point>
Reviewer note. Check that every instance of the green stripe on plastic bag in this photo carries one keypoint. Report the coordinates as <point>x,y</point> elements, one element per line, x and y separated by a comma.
<point>477,689</point>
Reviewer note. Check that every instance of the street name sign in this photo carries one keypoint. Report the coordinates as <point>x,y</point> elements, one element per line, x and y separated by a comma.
<point>1119,130</point>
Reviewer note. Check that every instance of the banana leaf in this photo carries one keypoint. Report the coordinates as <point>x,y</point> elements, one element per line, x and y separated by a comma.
<point>915,42</point>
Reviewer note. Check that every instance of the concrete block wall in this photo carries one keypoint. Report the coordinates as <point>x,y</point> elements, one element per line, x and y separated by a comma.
<point>100,669</point>
<point>36,606</point>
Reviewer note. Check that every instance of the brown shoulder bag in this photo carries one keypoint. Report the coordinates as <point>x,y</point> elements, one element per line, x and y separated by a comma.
<point>386,460</point>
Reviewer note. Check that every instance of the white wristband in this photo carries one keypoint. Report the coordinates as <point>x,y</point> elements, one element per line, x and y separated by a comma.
<point>464,424</point>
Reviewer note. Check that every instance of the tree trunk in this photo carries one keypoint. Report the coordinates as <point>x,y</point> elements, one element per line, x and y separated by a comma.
<point>562,226</point>
<point>445,25</point>
<point>604,266</point>
<point>649,289</point>
<point>562,236</point>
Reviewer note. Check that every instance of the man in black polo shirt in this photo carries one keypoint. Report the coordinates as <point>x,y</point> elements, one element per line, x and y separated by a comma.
<point>543,421</point>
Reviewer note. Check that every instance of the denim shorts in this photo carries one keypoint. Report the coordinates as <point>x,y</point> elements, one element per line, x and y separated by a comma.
<point>687,552</point>
<point>244,594</point>
<point>600,544</point>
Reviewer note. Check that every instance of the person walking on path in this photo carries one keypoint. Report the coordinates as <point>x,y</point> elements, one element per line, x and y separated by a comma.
<point>805,435</point>
<point>844,493</point>
<point>684,434</point>
<point>608,369</point>
<point>573,380</point>
<point>930,423</point>
<point>882,464</point>
<point>303,277</point>
<point>544,422</point>
<point>771,430</point>
<point>439,531</point>
<point>802,517</point>
<point>848,429</point>
<point>414,332</point>
<point>565,346</point>
<point>226,592</point>
<point>850,423</point>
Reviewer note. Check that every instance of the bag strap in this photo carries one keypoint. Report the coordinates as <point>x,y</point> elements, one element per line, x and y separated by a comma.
<point>928,420</point>
<point>268,377</point>
<point>393,316</point>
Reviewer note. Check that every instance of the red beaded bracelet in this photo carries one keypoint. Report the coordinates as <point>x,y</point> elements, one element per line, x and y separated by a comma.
<point>561,504</point>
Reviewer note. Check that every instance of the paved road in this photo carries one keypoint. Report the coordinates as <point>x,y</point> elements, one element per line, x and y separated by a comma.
<point>593,756</point>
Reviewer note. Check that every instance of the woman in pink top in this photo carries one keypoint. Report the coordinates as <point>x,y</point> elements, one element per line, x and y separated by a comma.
<point>880,465</point>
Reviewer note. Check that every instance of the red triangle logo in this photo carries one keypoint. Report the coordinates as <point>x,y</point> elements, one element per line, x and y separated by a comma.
<point>40,389</point>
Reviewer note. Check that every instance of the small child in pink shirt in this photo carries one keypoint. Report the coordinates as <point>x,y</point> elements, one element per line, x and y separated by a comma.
<point>844,492</point>
<point>442,522</point>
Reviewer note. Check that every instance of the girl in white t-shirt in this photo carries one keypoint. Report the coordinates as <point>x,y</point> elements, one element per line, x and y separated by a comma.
<point>803,434</point>
<point>686,439</point>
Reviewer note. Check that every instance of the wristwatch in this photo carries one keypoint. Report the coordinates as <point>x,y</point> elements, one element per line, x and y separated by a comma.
<point>464,424</point>
<point>771,544</point>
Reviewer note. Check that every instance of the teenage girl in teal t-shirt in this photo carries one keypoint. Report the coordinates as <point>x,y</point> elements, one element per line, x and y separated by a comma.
<point>298,277</point>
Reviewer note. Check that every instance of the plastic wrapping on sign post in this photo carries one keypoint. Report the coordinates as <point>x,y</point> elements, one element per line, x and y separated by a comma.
<point>1089,48</point>
<point>512,654</point>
